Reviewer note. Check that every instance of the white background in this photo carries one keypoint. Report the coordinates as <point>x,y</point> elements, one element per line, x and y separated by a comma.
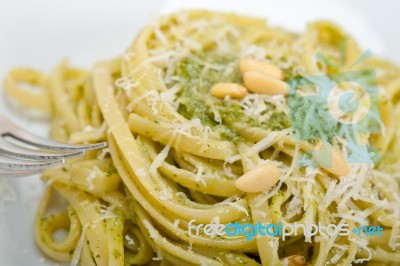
<point>41,32</point>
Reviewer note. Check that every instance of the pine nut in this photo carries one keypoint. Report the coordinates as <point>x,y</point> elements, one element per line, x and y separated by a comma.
<point>260,83</point>
<point>330,159</point>
<point>258,179</point>
<point>294,260</point>
<point>233,90</point>
<point>247,65</point>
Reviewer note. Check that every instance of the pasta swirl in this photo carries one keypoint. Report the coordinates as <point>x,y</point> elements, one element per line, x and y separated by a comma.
<point>175,151</point>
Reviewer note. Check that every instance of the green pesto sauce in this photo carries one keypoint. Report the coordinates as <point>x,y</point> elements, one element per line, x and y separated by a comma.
<point>195,100</point>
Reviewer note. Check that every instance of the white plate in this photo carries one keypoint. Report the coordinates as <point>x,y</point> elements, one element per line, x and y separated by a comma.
<point>39,33</point>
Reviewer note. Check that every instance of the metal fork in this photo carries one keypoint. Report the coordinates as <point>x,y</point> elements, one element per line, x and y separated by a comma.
<point>24,154</point>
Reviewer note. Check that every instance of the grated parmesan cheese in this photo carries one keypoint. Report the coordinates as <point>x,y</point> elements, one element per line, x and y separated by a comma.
<point>230,202</point>
<point>394,240</point>
<point>199,175</point>
<point>165,194</point>
<point>158,160</point>
<point>79,246</point>
<point>176,223</point>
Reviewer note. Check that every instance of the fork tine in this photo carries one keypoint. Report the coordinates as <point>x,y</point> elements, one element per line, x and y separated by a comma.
<point>14,151</point>
<point>14,173</point>
<point>17,164</point>
<point>24,154</point>
<point>19,134</point>
<point>43,143</point>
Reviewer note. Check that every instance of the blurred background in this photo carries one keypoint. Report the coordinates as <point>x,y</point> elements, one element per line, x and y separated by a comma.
<point>40,32</point>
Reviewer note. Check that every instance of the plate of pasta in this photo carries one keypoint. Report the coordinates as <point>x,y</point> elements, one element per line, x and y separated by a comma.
<point>234,138</point>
